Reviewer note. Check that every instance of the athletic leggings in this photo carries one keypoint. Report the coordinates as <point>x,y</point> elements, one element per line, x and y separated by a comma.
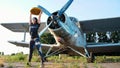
<point>33,43</point>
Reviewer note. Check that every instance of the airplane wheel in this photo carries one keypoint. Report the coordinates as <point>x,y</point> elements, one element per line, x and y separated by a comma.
<point>45,59</point>
<point>91,59</point>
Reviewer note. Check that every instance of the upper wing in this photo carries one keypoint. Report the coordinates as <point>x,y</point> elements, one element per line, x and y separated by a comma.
<point>101,25</point>
<point>20,27</point>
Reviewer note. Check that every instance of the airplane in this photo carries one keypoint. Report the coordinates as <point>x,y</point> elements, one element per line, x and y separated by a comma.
<point>70,34</point>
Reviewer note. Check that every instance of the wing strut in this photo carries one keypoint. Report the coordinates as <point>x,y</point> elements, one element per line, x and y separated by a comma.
<point>24,38</point>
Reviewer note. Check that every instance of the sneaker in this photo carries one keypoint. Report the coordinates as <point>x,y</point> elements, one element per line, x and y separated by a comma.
<point>28,63</point>
<point>41,65</point>
<point>45,59</point>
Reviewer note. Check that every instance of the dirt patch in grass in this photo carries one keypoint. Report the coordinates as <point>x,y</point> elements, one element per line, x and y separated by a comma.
<point>1,62</point>
<point>63,65</point>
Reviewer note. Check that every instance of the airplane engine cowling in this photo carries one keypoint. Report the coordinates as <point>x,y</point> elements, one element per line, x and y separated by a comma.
<point>56,30</point>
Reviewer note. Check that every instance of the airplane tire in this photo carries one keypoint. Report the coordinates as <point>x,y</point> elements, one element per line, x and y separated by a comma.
<point>91,59</point>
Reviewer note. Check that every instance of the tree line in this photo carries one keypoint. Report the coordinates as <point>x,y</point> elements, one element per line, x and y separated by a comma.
<point>112,37</point>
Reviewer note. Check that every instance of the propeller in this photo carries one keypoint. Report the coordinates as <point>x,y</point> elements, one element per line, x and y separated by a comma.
<point>56,18</point>
<point>65,7</point>
<point>64,26</point>
<point>44,10</point>
<point>47,13</point>
<point>44,29</point>
<point>60,12</point>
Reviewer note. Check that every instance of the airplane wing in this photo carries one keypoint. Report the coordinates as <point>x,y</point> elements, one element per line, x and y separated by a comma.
<point>103,47</point>
<point>22,44</point>
<point>45,47</point>
<point>24,27</point>
<point>98,25</point>
<point>101,25</point>
<point>21,27</point>
<point>102,44</point>
<point>26,44</point>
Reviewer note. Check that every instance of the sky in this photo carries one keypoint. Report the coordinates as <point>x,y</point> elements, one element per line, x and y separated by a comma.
<point>18,11</point>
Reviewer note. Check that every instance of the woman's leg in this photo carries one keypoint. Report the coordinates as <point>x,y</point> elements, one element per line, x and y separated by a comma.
<point>38,45</point>
<point>32,43</point>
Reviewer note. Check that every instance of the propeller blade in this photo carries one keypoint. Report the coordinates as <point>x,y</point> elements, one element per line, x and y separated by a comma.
<point>44,29</point>
<point>64,26</point>
<point>45,10</point>
<point>64,8</point>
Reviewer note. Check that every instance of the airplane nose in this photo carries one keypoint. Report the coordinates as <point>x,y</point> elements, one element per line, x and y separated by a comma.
<point>54,19</point>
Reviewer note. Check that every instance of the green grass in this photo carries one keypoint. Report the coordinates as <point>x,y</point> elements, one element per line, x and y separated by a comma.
<point>107,59</point>
<point>99,59</point>
<point>15,58</point>
<point>70,61</point>
<point>23,58</point>
<point>10,65</point>
<point>67,59</point>
<point>19,58</point>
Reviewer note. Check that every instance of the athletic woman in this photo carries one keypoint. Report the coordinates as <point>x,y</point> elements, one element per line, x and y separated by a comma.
<point>35,40</point>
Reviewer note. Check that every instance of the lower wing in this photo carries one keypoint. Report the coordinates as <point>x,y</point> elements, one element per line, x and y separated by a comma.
<point>102,44</point>
<point>26,44</point>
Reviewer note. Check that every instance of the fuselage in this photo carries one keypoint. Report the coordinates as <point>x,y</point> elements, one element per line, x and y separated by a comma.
<point>70,33</point>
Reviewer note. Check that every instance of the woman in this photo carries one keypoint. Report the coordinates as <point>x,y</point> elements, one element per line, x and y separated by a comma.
<point>35,40</point>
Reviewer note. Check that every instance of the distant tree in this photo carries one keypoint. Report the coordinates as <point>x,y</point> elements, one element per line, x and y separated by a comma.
<point>115,36</point>
<point>119,35</point>
<point>90,37</point>
<point>2,53</point>
<point>102,37</point>
<point>12,54</point>
<point>47,38</point>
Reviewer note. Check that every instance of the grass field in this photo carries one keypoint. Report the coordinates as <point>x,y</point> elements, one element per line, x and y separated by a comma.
<point>71,61</point>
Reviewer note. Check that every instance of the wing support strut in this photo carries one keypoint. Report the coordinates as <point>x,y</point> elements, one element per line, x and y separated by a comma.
<point>49,51</point>
<point>87,53</point>
<point>24,38</point>
<point>55,52</point>
<point>76,51</point>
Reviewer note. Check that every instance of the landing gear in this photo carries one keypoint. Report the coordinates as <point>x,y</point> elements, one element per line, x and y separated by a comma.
<point>89,56</point>
<point>91,59</point>
<point>62,49</point>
